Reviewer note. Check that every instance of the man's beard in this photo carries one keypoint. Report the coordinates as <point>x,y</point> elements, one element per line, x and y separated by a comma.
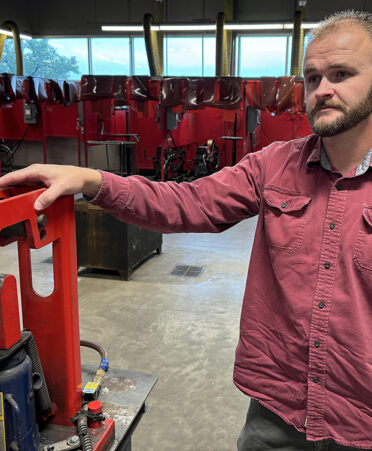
<point>351,116</point>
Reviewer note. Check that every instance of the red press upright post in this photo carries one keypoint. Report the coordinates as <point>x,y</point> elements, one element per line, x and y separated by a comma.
<point>54,319</point>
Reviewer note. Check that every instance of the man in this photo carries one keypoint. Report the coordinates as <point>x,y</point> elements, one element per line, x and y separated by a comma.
<point>305,348</point>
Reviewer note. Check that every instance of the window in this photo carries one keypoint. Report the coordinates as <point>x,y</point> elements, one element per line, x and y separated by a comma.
<point>70,58</point>
<point>140,63</point>
<point>8,59</point>
<point>262,56</point>
<point>307,40</point>
<point>189,56</point>
<point>69,53</point>
<point>48,58</point>
<point>110,56</point>
<point>183,56</point>
<point>289,55</point>
<point>209,57</point>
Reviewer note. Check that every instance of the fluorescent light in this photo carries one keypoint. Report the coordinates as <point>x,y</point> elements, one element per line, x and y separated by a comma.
<point>267,26</point>
<point>305,26</point>
<point>187,27</point>
<point>159,27</point>
<point>9,33</point>
<point>207,27</point>
<point>258,26</point>
<point>122,28</point>
<point>309,25</point>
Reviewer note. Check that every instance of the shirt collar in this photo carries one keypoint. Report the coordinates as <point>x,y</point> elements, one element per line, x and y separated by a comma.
<point>324,159</point>
<point>361,169</point>
<point>315,154</point>
<point>318,154</point>
<point>365,164</point>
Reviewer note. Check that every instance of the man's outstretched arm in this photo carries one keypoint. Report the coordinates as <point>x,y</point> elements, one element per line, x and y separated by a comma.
<point>211,204</point>
<point>60,180</point>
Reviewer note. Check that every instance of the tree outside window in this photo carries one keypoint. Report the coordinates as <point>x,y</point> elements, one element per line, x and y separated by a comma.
<point>41,59</point>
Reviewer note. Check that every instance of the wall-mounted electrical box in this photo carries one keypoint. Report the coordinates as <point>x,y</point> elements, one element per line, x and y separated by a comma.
<point>30,113</point>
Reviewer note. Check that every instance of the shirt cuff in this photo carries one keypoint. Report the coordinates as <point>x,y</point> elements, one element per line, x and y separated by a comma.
<point>98,195</point>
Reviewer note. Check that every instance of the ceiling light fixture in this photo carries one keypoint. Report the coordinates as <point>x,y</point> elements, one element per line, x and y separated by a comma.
<point>122,28</point>
<point>9,33</point>
<point>305,26</point>
<point>258,26</point>
<point>207,27</point>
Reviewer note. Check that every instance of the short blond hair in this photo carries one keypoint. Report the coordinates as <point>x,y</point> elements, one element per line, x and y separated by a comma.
<point>335,21</point>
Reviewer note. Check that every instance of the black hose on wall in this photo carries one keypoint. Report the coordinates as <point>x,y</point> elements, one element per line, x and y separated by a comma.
<point>150,44</point>
<point>296,43</point>
<point>160,18</point>
<point>220,44</point>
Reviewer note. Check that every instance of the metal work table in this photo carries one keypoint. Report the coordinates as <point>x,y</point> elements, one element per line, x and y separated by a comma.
<point>126,154</point>
<point>123,397</point>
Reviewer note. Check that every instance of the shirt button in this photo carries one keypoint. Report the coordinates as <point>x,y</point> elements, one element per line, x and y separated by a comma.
<point>284,204</point>
<point>332,225</point>
<point>316,343</point>
<point>315,380</point>
<point>327,265</point>
<point>339,187</point>
<point>321,305</point>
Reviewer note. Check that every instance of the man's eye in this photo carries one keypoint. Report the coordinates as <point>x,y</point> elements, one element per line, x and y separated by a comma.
<point>313,79</point>
<point>342,74</point>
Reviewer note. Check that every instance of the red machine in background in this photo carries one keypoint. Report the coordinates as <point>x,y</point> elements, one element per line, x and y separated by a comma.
<point>167,115</point>
<point>46,389</point>
<point>171,114</point>
<point>33,109</point>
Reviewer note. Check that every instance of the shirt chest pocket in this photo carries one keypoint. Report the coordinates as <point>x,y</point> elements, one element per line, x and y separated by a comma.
<point>285,217</point>
<point>363,245</point>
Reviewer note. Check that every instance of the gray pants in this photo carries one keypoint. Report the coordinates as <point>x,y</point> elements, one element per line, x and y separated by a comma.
<point>264,431</point>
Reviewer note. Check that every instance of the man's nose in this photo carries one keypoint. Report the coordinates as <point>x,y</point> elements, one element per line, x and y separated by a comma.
<point>325,89</point>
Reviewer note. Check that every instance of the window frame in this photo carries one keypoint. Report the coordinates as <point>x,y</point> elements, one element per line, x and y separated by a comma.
<point>238,47</point>
<point>183,35</point>
<point>90,45</point>
<point>236,37</point>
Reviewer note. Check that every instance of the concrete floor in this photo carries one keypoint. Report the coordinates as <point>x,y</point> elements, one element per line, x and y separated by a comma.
<point>184,330</point>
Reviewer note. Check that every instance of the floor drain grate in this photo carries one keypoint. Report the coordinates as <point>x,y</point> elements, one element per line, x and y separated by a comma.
<point>187,271</point>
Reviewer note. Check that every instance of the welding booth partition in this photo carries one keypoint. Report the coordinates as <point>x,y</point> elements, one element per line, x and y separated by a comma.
<point>165,112</point>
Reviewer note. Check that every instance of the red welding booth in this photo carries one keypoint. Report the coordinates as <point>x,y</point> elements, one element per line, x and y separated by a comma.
<point>154,114</point>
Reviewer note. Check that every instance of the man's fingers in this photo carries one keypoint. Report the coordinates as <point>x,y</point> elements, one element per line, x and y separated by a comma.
<point>27,176</point>
<point>11,179</point>
<point>48,197</point>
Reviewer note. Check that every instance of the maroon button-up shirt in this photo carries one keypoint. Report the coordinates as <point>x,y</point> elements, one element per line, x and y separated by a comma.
<point>305,348</point>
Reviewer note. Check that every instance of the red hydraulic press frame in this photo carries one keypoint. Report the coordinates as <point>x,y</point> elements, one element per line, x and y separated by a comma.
<point>54,319</point>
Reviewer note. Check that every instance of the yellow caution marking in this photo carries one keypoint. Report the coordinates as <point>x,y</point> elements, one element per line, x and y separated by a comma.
<point>2,424</point>
<point>90,387</point>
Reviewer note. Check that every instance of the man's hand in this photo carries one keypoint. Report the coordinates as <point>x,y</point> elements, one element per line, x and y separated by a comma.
<point>60,180</point>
